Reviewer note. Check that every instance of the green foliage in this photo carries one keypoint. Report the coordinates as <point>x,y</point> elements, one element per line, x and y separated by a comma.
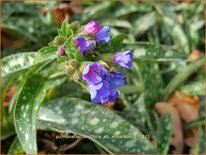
<point>194,89</point>
<point>46,53</point>
<point>65,29</point>
<point>25,22</point>
<point>161,36</point>
<point>183,75</point>
<point>164,133</point>
<point>87,119</point>
<point>15,147</point>
<point>26,110</point>
<point>151,53</point>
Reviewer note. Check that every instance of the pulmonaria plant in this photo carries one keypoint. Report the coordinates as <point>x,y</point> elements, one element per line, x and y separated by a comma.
<point>89,63</point>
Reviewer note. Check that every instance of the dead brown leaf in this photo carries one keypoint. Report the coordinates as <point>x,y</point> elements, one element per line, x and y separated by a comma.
<point>64,10</point>
<point>195,54</point>
<point>187,108</point>
<point>9,94</point>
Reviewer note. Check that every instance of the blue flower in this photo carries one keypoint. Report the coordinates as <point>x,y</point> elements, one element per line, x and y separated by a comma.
<point>83,44</point>
<point>99,92</point>
<point>116,79</point>
<point>124,59</point>
<point>103,35</point>
<point>93,73</point>
<point>102,84</point>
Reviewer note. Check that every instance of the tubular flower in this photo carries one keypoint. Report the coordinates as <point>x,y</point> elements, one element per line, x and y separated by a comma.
<point>83,44</point>
<point>80,43</point>
<point>103,35</point>
<point>124,59</point>
<point>94,73</point>
<point>102,84</point>
<point>92,27</point>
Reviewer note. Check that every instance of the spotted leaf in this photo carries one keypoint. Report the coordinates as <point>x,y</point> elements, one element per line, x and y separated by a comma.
<point>95,122</point>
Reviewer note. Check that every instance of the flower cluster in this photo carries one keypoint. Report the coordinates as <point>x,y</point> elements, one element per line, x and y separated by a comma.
<point>102,81</point>
<point>102,84</point>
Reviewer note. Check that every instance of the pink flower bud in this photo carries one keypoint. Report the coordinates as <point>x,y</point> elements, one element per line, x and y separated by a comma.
<point>92,27</point>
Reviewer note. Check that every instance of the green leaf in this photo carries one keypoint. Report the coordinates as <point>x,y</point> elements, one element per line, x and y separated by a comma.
<point>196,88</point>
<point>17,62</point>
<point>13,66</point>
<point>151,80</point>
<point>177,33</point>
<point>65,29</point>
<point>7,128</point>
<point>164,133</point>
<point>199,148</point>
<point>140,110</point>
<point>195,123</point>
<point>131,89</point>
<point>132,7</point>
<point>78,56</point>
<point>153,53</point>
<point>144,23</point>
<point>116,42</point>
<point>70,48</point>
<point>115,46</point>
<point>118,23</point>
<point>15,147</point>
<point>25,111</point>
<point>46,53</point>
<point>91,120</point>
<point>182,76</point>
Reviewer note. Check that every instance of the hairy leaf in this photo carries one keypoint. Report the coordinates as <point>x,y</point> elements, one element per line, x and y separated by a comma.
<point>181,76</point>
<point>25,111</point>
<point>94,122</point>
<point>164,133</point>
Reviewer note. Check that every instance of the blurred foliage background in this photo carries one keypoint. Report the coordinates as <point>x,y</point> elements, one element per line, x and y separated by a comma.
<point>154,28</point>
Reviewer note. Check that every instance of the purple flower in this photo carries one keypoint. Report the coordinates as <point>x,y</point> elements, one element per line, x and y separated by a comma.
<point>61,52</point>
<point>123,59</point>
<point>103,35</point>
<point>99,92</point>
<point>92,27</point>
<point>93,73</point>
<point>83,44</point>
<point>102,84</point>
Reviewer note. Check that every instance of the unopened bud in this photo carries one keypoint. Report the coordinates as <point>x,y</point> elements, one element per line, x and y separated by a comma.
<point>77,76</point>
<point>61,52</point>
<point>75,26</point>
<point>71,66</point>
<point>73,63</point>
<point>59,40</point>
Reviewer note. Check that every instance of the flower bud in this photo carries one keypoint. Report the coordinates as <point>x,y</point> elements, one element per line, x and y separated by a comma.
<point>73,63</point>
<point>59,40</point>
<point>61,51</point>
<point>75,26</point>
<point>77,76</point>
<point>92,27</point>
<point>71,66</point>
